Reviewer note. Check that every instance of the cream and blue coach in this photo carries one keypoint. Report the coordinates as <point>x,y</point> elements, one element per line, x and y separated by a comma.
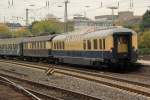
<point>94,47</point>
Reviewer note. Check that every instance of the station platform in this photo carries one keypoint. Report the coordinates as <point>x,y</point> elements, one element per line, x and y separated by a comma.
<point>144,62</point>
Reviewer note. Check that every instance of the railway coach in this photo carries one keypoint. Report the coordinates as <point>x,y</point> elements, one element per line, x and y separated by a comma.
<point>38,48</point>
<point>11,47</point>
<point>114,45</point>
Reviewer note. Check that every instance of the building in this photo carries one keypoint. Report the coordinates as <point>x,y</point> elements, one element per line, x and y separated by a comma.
<point>123,17</point>
<point>104,20</point>
<point>128,17</point>
<point>51,17</point>
<point>82,22</point>
<point>14,26</point>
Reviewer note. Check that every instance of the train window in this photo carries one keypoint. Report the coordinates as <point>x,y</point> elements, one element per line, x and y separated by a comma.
<point>41,45</point>
<point>95,43</point>
<point>24,45</point>
<point>57,45</point>
<point>89,44</point>
<point>60,45</point>
<point>9,46</point>
<point>122,40</point>
<point>34,45</point>
<point>38,45</point>
<point>103,43</point>
<point>100,44</point>
<point>84,44</point>
<point>63,45</point>
<point>14,46</point>
<point>54,45</point>
<point>44,43</point>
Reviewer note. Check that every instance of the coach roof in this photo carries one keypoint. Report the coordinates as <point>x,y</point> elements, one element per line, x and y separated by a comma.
<point>39,38</point>
<point>107,32</point>
<point>11,41</point>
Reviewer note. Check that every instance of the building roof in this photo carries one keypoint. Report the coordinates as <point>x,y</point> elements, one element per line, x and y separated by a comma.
<point>105,16</point>
<point>13,24</point>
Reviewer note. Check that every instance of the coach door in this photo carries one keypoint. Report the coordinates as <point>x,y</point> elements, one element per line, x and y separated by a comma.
<point>122,45</point>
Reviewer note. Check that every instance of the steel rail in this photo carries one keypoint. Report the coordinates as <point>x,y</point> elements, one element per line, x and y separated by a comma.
<point>7,81</point>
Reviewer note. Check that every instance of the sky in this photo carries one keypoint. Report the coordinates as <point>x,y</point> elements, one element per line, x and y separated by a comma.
<point>38,9</point>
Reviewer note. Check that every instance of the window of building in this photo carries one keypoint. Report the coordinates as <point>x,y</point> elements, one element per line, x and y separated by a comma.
<point>89,44</point>
<point>95,43</point>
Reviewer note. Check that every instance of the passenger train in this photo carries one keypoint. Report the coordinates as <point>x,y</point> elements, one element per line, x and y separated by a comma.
<point>87,47</point>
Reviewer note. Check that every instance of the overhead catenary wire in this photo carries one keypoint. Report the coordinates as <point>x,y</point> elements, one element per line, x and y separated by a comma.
<point>52,4</point>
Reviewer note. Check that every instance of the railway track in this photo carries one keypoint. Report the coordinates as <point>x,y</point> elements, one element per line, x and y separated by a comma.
<point>47,92</point>
<point>131,86</point>
<point>30,92</point>
<point>27,92</point>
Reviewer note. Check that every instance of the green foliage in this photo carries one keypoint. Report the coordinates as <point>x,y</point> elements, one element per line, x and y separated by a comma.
<point>144,43</point>
<point>145,25</point>
<point>70,26</point>
<point>47,26</point>
<point>4,31</point>
<point>23,32</point>
<point>135,27</point>
<point>144,51</point>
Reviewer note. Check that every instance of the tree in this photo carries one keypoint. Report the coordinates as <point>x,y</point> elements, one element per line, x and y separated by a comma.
<point>144,42</point>
<point>47,26</point>
<point>145,25</point>
<point>50,26</point>
<point>135,27</point>
<point>4,31</point>
<point>23,32</point>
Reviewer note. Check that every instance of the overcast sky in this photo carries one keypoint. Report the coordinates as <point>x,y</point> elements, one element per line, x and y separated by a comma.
<point>39,10</point>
